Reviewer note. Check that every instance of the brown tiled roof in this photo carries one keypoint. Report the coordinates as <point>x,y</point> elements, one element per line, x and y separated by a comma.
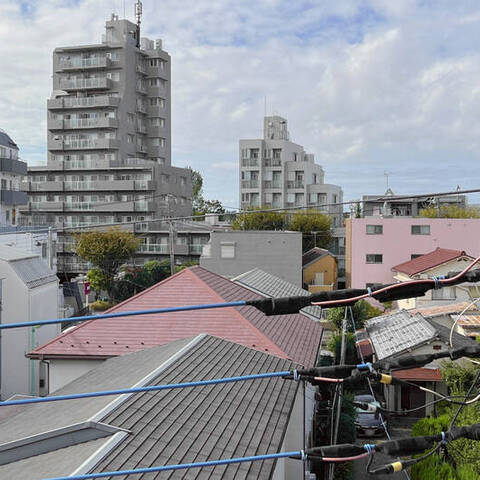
<point>295,336</point>
<point>442,309</point>
<point>419,374</point>
<point>429,260</point>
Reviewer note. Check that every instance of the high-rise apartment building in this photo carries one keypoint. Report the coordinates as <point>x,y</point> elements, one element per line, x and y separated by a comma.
<point>12,170</point>
<point>277,173</point>
<point>109,139</point>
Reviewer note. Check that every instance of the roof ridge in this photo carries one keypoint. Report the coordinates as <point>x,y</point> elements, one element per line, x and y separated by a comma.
<point>239,314</point>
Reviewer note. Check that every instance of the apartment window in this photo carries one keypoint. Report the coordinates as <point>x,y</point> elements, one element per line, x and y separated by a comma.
<point>159,142</point>
<point>130,138</point>
<point>4,184</point>
<point>157,122</point>
<point>420,230</point>
<point>374,258</point>
<point>157,102</point>
<point>227,250</point>
<point>157,82</point>
<point>131,117</point>
<point>374,229</point>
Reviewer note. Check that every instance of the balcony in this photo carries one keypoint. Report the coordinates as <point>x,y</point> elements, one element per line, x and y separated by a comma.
<point>82,102</point>
<point>250,162</point>
<point>12,165</point>
<point>43,186</point>
<point>45,206</point>
<point>90,123</point>
<point>272,184</point>
<point>102,83</point>
<point>79,63</point>
<point>141,128</point>
<point>142,69</point>
<point>141,107</point>
<point>272,162</point>
<point>84,144</point>
<point>195,249</point>
<point>142,89</point>
<point>109,185</point>
<point>249,183</point>
<point>153,248</point>
<point>11,197</point>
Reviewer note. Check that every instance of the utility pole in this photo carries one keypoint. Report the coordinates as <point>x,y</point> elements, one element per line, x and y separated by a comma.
<point>50,248</point>
<point>172,246</point>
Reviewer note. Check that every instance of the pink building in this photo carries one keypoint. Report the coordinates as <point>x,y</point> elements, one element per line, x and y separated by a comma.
<point>375,244</point>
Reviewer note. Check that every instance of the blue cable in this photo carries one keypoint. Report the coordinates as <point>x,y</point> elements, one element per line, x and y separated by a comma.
<point>149,388</point>
<point>4,326</point>
<point>182,466</point>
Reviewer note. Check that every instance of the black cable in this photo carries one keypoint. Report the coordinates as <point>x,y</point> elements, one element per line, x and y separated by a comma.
<point>459,409</point>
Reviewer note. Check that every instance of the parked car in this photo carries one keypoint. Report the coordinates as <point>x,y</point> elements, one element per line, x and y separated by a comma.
<point>368,424</point>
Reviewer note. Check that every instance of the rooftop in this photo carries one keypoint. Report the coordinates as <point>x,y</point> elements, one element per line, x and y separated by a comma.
<point>167,427</point>
<point>6,141</point>
<point>428,261</point>
<point>436,310</point>
<point>295,336</point>
<point>313,255</point>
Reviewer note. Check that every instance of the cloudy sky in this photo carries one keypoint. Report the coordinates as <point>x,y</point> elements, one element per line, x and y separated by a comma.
<point>368,86</point>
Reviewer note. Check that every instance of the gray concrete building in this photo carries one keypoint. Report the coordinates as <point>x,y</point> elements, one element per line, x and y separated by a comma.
<point>12,170</point>
<point>276,252</point>
<point>277,173</point>
<point>109,139</point>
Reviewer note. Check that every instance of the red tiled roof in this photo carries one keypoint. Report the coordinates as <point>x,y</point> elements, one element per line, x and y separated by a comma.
<point>419,374</point>
<point>288,336</point>
<point>428,261</point>
<point>364,348</point>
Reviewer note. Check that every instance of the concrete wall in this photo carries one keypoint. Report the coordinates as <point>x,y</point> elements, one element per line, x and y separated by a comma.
<point>63,371</point>
<point>19,374</point>
<point>278,253</point>
<point>326,265</point>
<point>397,244</point>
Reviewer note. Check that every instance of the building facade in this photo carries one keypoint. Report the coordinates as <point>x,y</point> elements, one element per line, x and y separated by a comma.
<point>12,171</point>
<point>109,138</point>
<point>277,173</point>
<point>374,245</point>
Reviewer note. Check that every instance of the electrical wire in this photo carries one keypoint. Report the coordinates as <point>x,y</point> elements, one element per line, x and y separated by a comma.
<point>459,409</point>
<point>433,282</point>
<point>459,317</point>
<point>149,388</point>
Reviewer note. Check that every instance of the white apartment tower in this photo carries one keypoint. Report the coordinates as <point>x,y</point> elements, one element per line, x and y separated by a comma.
<point>109,139</point>
<point>277,173</point>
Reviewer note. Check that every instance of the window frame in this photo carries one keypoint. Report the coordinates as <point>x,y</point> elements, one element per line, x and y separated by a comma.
<point>373,255</point>
<point>421,228</point>
<point>375,227</point>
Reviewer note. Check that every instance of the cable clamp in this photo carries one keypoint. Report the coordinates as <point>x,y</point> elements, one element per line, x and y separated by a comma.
<point>369,291</point>
<point>303,454</point>
<point>370,448</point>
<point>296,375</point>
<point>444,439</point>
<point>437,279</point>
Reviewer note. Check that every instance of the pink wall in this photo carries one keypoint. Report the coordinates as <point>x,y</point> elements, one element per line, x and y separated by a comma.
<point>396,244</point>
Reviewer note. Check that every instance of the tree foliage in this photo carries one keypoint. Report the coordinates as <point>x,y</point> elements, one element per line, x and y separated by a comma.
<point>362,311</point>
<point>314,226</point>
<point>201,206</point>
<point>458,376</point>
<point>335,345</point>
<point>107,251</point>
<point>449,211</point>
<point>97,279</point>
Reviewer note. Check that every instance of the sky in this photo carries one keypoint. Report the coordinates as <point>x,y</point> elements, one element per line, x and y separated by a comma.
<point>371,87</point>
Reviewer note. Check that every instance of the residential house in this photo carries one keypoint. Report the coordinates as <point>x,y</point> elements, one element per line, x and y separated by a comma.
<point>375,244</point>
<point>435,264</point>
<point>401,333</point>
<point>89,344</point>
<point>235,252</point>
<point>319,270</point>
<point>28,292</point>
<point>467,324</point>
<point>169,427</point>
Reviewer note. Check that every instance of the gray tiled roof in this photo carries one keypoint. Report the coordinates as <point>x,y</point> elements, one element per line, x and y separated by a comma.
<point>275,287</point>
<point>171,426</point>
<point>397,332</point>
<point>444,335</point>
<point>6,141</point>
<point>33,272</point>
<point>269,284</point>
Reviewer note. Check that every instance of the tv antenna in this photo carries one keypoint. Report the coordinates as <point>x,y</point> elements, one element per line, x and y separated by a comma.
<point>138,14</point>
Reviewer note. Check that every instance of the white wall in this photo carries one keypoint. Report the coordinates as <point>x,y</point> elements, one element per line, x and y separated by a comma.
<point>63,371</point>
<point>19,304</point>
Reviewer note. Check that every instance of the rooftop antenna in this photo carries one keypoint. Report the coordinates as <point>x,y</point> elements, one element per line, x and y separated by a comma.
<point>387,174</point>
<point>138,14</point>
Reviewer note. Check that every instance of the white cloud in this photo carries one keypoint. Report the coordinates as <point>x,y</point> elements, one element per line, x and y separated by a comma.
<point>366,86</point>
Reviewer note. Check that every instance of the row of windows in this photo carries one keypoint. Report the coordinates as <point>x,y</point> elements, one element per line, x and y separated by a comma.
<point>378,257</point>
<point>414,230</point>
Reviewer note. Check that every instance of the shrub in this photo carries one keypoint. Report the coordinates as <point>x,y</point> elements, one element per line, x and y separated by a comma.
<point>100,305</point>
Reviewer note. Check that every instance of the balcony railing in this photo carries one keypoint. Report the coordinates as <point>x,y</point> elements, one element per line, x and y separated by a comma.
<point>85,83</point>
<point>78,62</point>
<point>90,123</point>
<point>83,102</point>
<point>272,184</point>
<point>153,248</point>
<point>249,183</point>
<point>195,249</point>
<point>249,162</point>
<point>272,162</point>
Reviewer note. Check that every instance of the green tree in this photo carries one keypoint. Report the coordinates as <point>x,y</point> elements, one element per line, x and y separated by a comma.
<point>449,211</point>
<point>315,227</point>
<point>362,311</point>
<point>201,206</point>
<point>255,219</point>
<point>98,280</point>
<point>108,251</point>
<point>335,345</point>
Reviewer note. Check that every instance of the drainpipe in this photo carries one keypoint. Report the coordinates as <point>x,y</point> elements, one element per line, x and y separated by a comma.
<point>32,364</point>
